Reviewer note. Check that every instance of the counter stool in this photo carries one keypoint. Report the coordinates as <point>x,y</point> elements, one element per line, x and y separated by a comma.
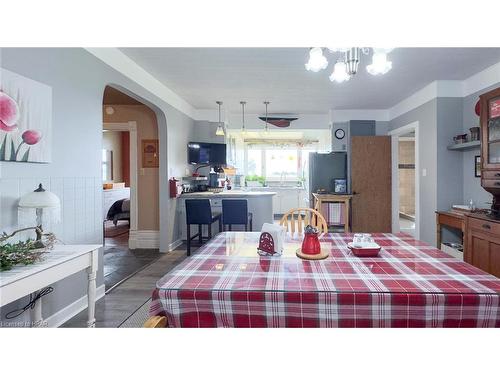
<point>199,212</point>
<point>235,211</point>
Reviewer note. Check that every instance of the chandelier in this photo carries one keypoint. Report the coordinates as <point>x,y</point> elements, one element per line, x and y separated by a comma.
<point>347,61</point>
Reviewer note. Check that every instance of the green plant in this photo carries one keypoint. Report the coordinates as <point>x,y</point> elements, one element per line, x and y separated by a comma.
<point>257,178</point>
<point>22,252</point>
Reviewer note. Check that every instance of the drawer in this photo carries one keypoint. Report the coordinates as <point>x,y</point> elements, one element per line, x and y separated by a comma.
<point>491,183</point>
<point>485,226</point>
<point>494,175</point>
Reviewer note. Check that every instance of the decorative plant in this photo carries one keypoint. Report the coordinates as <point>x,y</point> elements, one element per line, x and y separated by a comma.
<point>23,252</point>
<point>254,177</point>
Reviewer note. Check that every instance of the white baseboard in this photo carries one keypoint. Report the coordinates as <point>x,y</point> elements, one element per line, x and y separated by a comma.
<point>66,313</point>
<point>144,239</point>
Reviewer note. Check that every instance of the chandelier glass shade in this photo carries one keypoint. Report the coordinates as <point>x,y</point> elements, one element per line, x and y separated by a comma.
<point>316,61</point>
<point>339,73</point>
<point>348,64</point>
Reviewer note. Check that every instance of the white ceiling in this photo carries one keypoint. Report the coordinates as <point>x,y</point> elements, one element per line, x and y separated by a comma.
<point>203,75</point>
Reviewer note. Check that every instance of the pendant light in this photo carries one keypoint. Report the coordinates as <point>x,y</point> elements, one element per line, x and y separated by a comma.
<point>243,129</point>
<point>267,127</point>
<point>220,128</point>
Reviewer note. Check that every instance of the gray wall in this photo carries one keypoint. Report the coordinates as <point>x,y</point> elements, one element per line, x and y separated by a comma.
<point>449,163</point>
<point>78,80</point>
<point>426,115</point>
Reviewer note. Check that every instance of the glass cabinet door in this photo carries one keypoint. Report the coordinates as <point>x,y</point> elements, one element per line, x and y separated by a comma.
<point>494,131</point>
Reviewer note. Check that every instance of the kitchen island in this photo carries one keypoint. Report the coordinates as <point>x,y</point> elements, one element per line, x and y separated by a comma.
<point>260,204</point>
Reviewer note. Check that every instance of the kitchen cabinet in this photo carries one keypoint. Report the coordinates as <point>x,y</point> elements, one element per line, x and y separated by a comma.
<point>287,199</point>
<point>482,248</point>
<point>490,145</point>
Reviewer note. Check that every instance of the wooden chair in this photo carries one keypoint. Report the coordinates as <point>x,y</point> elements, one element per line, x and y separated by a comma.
<point>156,322</point>
<point>297,219</point>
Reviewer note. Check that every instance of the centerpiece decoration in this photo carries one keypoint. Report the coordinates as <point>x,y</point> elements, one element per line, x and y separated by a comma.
<point>24,251</point>
<point>311,247</point>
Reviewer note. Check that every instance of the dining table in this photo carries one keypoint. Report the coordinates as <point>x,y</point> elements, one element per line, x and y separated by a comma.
<point>410,283</point>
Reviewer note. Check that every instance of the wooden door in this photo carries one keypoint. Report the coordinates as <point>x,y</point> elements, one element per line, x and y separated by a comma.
<point>371,184</point>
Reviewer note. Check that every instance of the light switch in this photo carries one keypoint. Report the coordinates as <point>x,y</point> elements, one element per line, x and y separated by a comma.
<point>424,172</point>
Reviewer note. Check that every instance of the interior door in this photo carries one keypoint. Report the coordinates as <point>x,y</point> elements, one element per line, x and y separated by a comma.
<point>371,184</point>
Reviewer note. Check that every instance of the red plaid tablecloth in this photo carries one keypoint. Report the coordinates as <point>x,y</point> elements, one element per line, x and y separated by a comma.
<point>410,284</point>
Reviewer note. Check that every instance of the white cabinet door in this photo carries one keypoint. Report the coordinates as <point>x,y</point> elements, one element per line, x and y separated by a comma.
<point>289,200</point>
<point>277,203</point>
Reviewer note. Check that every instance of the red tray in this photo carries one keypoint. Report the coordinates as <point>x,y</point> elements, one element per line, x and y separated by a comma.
<point>365,251</point>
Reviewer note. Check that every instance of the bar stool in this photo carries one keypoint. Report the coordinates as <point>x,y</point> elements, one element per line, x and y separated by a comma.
<point>235,211</point>
<point>199,212</point>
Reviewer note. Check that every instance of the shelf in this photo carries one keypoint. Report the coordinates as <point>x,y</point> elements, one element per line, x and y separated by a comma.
<point>465,146</point>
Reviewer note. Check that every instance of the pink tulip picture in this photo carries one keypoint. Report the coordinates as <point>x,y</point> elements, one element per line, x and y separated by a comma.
<point>9,113</point>
<point>31,137</point>
<point>25,119</point>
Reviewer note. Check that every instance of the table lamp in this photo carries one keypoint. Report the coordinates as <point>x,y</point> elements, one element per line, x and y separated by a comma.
<point>42,202</point>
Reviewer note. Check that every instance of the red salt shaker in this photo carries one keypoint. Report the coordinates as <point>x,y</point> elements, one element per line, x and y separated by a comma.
<point>310,244</point>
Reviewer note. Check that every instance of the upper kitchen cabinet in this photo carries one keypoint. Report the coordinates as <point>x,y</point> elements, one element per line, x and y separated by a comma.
<point>490,145</point>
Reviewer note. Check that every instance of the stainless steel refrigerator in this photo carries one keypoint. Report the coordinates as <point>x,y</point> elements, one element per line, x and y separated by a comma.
<point>324,169</point>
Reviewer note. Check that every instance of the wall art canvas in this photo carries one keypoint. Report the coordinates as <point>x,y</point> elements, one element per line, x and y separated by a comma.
<point>25,119</point>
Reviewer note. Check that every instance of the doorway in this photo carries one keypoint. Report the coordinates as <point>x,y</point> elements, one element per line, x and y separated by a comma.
<point>130,188</point>
<point>405,187</point>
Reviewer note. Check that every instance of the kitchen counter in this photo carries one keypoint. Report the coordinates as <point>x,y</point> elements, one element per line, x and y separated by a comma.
<point>260,204</point>
<point>229,194</point>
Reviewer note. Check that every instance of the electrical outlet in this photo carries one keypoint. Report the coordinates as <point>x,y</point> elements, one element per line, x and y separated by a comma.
<point>424,172</point>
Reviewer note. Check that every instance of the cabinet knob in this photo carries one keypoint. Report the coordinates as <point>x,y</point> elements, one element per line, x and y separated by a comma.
<point>486,226</point>
<point>497,174</point>
<point>497,183</point>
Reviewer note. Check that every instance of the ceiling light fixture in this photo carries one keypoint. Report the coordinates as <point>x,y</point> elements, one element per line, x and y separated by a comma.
<point>316,61</point>
<point>348,64</point>
<point>220,128</point>
<point>267,127</point>
<point>339,73</point>
<point>243,130</point>
<point>379,65</point>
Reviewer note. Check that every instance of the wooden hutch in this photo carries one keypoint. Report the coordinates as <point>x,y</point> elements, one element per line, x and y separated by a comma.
<point>482,231</point>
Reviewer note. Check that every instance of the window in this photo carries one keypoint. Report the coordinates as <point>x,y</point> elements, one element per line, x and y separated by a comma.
<point>107,165</point>
<point>282,164</point>
<point>254,164</point>
<point>276,163</point>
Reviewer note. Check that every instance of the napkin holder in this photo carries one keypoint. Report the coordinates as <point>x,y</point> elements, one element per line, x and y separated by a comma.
<point>271,240</point>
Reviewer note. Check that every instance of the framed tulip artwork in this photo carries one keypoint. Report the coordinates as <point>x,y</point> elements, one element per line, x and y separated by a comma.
<point>25,119</point>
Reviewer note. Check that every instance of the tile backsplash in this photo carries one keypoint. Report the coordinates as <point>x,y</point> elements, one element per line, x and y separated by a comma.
<point>81,206</point>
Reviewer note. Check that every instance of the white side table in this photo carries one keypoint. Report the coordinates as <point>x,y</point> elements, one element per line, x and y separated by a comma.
<point>60,262</point>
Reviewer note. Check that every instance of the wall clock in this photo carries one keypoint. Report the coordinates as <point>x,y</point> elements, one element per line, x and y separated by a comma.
<point>339,133</point>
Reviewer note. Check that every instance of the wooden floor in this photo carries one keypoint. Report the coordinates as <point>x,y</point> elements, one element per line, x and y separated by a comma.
<point>116,306</point>
<point>120,262</point>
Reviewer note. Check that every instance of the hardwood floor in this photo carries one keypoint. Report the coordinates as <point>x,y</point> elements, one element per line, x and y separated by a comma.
<point>116,306</point>
<point>121,262</point>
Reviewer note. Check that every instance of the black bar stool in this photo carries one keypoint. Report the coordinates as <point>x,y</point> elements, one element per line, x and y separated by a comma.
<point>199,212</point>
<point>235,212</point>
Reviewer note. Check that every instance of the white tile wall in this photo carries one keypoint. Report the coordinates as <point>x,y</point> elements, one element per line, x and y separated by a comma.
<point>81,206</point>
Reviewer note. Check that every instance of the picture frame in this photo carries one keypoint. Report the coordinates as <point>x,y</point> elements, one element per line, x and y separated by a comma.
<point>340,186</point>
<point>150,152</point>
<point>477,166</point>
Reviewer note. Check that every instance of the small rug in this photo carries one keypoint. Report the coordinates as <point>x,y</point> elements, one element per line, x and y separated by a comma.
<point>110,230</point>
<point>138,317</point>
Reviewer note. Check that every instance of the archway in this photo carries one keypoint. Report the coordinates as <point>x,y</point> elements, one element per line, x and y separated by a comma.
<point>131,178</point>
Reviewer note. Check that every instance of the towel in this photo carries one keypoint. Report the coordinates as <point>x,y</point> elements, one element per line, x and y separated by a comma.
<point>333,213</point>
<point>277,232</point>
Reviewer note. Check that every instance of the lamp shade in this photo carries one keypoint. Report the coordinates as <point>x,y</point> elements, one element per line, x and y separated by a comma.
<point>40,198</point>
